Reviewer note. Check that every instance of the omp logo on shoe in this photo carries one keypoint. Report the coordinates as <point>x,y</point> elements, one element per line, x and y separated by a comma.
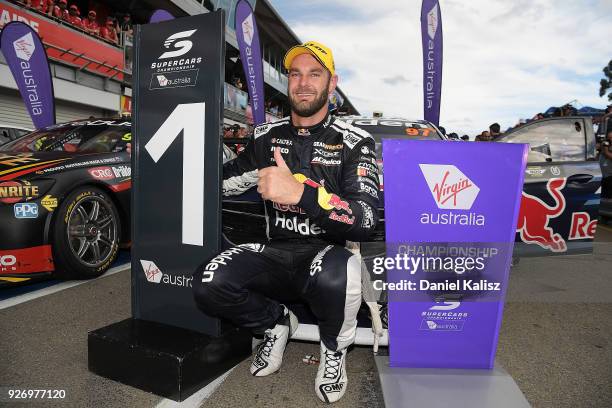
<point>329,388</point>
<point>258,362</point>
<point>182,47</point>
<point>450,188</point>
<point>24,47</point>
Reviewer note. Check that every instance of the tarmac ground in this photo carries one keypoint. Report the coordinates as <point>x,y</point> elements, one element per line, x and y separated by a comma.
<point>555,341</point>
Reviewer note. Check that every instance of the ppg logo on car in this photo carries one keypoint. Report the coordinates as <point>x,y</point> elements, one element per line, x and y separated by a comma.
<point>26,210</point>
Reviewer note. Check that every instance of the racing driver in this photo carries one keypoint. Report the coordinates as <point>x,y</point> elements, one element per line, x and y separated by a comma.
<point>318,177</point>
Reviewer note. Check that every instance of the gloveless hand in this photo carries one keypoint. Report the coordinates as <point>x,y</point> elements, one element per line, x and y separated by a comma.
<point>276,183</point>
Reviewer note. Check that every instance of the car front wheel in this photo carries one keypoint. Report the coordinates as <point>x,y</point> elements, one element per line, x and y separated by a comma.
<point>85,235</point>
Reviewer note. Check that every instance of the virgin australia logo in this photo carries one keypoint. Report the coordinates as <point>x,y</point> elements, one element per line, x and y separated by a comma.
<point>450,188</point>
<point>247,29</point>
<point>181,47</point>
<point>152,272</point>
<point>432,22</point>
<point>24,47</point>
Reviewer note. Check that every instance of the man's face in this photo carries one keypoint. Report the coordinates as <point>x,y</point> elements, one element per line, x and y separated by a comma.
<point>309,85</point>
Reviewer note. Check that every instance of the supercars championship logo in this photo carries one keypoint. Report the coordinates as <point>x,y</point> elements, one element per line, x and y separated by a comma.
<point>174,68</point>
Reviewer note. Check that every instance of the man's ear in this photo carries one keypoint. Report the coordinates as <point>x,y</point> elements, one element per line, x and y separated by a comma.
<point>333,82</point>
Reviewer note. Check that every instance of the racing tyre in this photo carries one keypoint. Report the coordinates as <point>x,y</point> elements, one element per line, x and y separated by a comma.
<point>85,234</point>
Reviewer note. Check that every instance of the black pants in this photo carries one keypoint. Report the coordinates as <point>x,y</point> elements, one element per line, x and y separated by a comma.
<point>245,284</point>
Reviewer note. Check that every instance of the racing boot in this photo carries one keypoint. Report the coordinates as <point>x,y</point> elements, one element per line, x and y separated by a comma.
<point>331,380</point>
<point>270,351</point>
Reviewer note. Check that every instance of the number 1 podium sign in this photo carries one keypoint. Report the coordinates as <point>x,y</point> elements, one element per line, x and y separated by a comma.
<point>168,346</point>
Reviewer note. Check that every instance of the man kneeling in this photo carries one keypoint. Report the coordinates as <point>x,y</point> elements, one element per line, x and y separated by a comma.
<point>318,177</point>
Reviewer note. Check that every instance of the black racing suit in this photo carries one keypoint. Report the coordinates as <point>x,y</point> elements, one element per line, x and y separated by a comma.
<point>305,257</point>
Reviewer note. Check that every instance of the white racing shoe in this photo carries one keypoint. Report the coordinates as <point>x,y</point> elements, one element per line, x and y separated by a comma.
<point>331,380</point>
<point>269,356</point>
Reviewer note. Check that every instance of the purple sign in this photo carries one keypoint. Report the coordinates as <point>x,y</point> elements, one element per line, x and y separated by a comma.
<point>27,60</point>
<point>450,227</point>
<point>250,54</point>
<point>431,37</point>
<point>160,15</point>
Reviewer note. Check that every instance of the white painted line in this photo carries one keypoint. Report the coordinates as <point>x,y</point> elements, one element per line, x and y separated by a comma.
<point>197,399</point>
<point>59,287</point>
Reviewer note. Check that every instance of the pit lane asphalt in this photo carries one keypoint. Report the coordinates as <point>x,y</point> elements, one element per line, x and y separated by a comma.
<point>556,341</point>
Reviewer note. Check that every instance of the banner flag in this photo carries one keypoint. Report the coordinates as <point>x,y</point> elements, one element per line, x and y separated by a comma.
<point>431,37</point>
<point>160,15</point>
<point>27,59</point>
<point>250,54</point>
<point>450,228</point>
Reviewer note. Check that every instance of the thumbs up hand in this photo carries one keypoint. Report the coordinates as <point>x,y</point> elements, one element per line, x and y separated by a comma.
<point>276,183</point>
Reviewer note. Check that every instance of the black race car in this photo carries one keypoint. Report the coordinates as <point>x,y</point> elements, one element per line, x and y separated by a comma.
<point>64,200</point>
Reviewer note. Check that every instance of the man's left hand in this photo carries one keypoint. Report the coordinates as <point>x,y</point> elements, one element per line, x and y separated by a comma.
<point>276,183</point>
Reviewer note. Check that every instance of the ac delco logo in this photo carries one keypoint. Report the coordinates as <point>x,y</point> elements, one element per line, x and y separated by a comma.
<point>102,173</point>
<point>7,263</point>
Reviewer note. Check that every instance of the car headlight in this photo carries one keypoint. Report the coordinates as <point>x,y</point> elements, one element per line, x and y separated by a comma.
<point>16,191</point>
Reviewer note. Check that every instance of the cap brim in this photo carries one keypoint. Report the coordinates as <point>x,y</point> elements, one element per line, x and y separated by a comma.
<point>299,50</point>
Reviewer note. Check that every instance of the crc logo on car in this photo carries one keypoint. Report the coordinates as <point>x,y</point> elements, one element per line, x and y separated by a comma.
<point>26,210</point>
<point>450,188</point>
<point>24,47</point>
<point>181,47</point>
<point>13,191</point>
<point>155,275</point>
<point>102,173</point>
<point>7,263</point>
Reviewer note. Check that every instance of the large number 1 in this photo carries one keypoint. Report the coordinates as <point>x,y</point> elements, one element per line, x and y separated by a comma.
<point>189,119</point>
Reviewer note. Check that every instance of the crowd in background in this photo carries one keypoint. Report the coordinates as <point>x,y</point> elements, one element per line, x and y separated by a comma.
<point>109,27</point>
<point>494,131</point>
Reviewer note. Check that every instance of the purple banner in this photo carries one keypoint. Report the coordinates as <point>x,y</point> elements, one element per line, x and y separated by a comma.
<point>27,60</point>
<point>160,15</point>
<point>450,226</point>
<point>250,54</point>
<point>431,37</point>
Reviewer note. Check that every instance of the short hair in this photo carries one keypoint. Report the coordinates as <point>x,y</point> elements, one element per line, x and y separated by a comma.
<point>495,127</point>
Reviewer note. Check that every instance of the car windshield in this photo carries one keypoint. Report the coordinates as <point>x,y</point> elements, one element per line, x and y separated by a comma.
<point>73,137</point>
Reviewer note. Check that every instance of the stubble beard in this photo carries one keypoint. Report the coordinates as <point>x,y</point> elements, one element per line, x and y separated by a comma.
<point>307,109</point>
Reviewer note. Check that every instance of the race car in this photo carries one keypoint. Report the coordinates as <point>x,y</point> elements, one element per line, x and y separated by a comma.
<point>9,132</point>
<point>64,200</point>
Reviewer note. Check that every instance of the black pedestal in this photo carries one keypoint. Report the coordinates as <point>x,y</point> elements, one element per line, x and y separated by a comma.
<point>168,361</point>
